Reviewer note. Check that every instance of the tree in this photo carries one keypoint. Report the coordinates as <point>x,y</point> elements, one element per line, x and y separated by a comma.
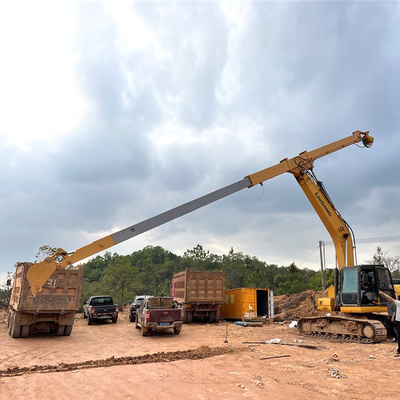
<point>235,269</point>
<point>316,281</point>
<point>47,251</point>
<point>5,290</point>
<point>119,278</point>
<point>381,258</point>
<point>199,259</point>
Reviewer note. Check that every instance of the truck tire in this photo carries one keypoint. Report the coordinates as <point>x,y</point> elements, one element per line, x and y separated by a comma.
<point>217,316</point>
<point>9,324</point>
<point>114,320</point>
<point>84,315</point>
<point>189,317</point>
<point>177,331</point>
<point>60,330</point>
<point>136,324</point>
<point>185,317</point>
<point>144,331</point>
<point>15,327</point>
<point>25,331</point>
<point>90,320</point>
<point>68,330</point>
<point>211,318</point>
<point>131,318</point>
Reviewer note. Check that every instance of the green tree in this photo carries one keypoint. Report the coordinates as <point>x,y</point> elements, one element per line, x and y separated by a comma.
<point>316,281</point>
<point>47,251</point>
<point>382,258</point>
<point>120,278</point>
<point>5,289</point>
<point>199,259</point>
<point>235,269</point>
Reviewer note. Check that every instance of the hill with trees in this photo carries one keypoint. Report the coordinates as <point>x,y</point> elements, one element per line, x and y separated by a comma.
<point>150,271</point>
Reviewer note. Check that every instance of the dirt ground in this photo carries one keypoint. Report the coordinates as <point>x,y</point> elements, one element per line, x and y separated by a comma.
<point>113,361</point>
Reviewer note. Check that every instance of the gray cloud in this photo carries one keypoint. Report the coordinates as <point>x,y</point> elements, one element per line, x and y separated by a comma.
<point>215,94</point>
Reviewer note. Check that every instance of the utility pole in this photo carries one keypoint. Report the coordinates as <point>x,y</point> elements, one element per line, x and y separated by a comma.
<point>322,258</point>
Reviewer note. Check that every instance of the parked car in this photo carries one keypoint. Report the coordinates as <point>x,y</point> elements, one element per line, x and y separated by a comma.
<point>135,304</point>
<point>158,313</point>
<point>100,308</point>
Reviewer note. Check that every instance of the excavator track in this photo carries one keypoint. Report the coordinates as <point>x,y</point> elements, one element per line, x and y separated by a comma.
<point>349,329</point>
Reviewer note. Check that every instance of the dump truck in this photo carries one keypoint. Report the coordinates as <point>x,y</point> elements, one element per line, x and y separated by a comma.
<point>51,310</point>
<point>199,293</point>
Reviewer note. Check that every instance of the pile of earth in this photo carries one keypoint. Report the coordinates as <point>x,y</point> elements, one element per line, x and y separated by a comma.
<point>296,306</point>
<point>196,354</point>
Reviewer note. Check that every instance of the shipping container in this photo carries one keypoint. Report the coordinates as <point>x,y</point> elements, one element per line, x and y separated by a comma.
<point>248,304</point>
<point>199,293</point>
<point>51,310</point>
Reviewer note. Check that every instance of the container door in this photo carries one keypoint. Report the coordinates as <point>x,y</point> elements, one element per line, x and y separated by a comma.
<point>262,303</point>
<point>249,304</point>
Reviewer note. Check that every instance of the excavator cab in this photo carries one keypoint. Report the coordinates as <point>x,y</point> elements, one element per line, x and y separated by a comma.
<point>359,287</point>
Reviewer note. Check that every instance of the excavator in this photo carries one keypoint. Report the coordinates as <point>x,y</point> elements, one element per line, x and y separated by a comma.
<point>353,306</point>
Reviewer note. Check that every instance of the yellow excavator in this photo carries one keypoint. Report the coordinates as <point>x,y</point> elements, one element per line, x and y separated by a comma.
<point>349,295</point>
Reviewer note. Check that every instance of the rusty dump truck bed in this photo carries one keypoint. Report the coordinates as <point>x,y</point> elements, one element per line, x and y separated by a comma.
<point>61,292</point>
<point>199,293</point>
<point>199,286</point>
<point>52,309</point>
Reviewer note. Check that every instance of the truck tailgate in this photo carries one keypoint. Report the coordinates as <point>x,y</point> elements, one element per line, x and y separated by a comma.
<point>61,291</point>
<point>161,316</point>
<point>105,309</point>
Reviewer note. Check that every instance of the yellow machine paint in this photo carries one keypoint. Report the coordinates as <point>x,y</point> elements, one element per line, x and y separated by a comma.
<point>40,272</point>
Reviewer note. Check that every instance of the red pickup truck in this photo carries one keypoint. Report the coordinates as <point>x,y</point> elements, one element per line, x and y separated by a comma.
<point>158,313</point>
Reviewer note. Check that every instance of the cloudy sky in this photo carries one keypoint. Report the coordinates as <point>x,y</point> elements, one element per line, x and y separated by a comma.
<point>111,113</point>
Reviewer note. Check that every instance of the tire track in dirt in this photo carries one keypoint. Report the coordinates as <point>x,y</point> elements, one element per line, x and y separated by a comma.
<point>196,354</point>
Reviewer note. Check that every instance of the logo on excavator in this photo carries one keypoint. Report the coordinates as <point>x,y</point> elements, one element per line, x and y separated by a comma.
<point>323,204</point>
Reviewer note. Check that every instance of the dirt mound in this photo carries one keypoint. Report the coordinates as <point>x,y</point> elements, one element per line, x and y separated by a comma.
<point>296,306</point>
<point>196,354</point>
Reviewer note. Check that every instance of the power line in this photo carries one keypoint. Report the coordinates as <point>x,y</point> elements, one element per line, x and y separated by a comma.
<point>308,256</point>
<point>372,240</point>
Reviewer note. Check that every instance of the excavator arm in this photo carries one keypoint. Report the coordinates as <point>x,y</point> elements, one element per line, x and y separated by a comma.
<point>299,166</point>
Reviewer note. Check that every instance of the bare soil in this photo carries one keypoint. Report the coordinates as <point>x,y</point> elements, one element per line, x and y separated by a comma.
<point>205,361</point>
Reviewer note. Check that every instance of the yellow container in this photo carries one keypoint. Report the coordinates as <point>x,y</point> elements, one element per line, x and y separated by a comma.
<point>247,304</point>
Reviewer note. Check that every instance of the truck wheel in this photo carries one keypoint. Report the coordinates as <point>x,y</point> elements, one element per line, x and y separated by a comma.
<point>211,318</point>
<point>68,330</point>
<point>177,331</point>
<point>131,318</point>
<point>89,321</point>
<point>185,317</point>
<point>9,323</point>
<point>189,317</point>
<point>217,316</point>
<point>25,331</point>
<point>144,331</point>
<point>60,330</point>
<point>114,320</point>
<point>15,327</point>
<point>136,324</point>
<point>84,315</point>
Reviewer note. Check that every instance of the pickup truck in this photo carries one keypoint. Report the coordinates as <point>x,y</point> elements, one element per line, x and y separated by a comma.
<point>100,308</point>
<point>134,306</point>
<point>158,313</point>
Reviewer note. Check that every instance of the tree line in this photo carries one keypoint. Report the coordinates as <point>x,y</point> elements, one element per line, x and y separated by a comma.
<point>150,271</point>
